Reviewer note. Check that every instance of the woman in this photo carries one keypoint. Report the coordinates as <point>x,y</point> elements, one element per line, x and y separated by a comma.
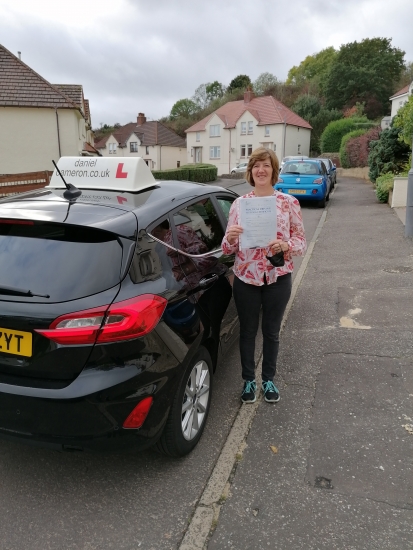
<point>257,282</point>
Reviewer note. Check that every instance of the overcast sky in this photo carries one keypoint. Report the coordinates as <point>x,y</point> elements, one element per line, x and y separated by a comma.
<point>143,55</point>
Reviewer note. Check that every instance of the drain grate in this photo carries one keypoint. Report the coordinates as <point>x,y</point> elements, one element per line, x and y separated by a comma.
<point>323,483</point>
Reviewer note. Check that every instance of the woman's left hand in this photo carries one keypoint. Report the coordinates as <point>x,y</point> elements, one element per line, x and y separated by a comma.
<point>278,246</point>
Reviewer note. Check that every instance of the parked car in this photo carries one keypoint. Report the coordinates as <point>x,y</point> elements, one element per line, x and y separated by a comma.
<point>116,308</point>
<point>305,179</point>
<point>292,157</point>
<point>331,169</point>
<point>241,167</point>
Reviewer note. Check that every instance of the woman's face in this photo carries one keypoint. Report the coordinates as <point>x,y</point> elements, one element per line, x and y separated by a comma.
<point>262,173</point>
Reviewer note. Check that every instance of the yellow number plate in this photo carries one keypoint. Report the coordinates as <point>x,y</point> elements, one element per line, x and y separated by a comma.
<point>15,342</point>
<point>297,191</point>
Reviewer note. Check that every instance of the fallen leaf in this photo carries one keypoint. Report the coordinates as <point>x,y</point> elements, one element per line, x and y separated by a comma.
<point>274,449</point>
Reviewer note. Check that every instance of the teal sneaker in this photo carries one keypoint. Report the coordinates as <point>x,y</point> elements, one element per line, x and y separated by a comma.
<point>248,393</point>
<point>271,393</point>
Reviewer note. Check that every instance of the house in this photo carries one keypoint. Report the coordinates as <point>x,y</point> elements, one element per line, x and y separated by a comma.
<point>230,134</point>
<point>39,121</point>
<point>397,100</point>
<point>160,147</point>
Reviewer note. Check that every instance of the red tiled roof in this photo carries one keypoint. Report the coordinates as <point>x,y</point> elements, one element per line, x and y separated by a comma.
<point>150,133</point>
<point>20,86</point>
<point>72,91</point>
<point>401,92</point>
<point>266,110</point>
<point>90,149</point>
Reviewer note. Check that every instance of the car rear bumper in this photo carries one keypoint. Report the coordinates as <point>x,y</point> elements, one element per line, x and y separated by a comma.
<point>305,193</point>
<point>87,419</point>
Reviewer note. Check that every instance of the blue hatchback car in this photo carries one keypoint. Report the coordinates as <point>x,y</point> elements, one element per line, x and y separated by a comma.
<point>305,179</point>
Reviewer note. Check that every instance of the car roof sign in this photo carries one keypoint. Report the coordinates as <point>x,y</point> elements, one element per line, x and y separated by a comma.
<point>118,174</point>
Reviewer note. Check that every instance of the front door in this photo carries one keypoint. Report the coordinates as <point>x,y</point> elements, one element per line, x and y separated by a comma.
<point>198,155</point>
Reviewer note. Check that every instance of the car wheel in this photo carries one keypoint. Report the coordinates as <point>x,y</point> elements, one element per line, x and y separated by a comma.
<point>190,408</point>
<point>233,172</point>
<point>322,203</point>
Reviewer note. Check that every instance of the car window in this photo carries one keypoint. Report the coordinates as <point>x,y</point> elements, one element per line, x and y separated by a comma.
<point>305,168</point>
<point>198,228</point>
<point>225,205</point>
<point>61,261</point>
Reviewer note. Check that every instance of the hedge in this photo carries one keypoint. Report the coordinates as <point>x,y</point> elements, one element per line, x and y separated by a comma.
<point>333,133</point>
<point>358,148</point>
<point>384,184</point>
<point>344,160</point>
<point>200,173</point>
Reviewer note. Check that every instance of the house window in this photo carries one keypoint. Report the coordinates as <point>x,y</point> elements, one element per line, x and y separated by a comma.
<point>275,147</point>
<point>249,150</point>
<point>147,149</point>
<point>198,136</point>
<point>192,151</point>
<point>299,149</point>
<point>250,127</point>
<point>214,130</point>
<point>112,148</point>
<point>242,150</point>
<point>267,130</point>
<point>215,152</point>
<point>133,146</point>
<point>243,128</point>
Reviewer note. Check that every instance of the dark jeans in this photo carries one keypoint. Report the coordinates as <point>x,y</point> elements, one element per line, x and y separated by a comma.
<point>249,299</point>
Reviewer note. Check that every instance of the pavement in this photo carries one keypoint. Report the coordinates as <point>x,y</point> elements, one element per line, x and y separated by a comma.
<point>331,465</point>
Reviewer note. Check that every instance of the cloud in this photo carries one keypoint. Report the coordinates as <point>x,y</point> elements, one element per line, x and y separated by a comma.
<point>131,56</point>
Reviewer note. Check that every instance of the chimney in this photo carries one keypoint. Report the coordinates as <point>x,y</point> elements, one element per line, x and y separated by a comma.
<point>248,95</point>
<point>141,119</point>
<point>20,55</point>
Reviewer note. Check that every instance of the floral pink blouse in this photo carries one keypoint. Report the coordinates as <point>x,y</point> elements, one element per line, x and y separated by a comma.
<point>251,264</point>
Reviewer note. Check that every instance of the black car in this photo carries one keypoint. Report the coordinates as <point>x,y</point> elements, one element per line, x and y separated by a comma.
<point>116,308</point>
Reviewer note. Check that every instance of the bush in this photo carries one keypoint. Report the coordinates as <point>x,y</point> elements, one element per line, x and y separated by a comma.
<point>384,184</point>
<point>358,148</point>
<point>330,140</point>
<point>201,173</point>
<point>387,154</point>
<point>344,160</point>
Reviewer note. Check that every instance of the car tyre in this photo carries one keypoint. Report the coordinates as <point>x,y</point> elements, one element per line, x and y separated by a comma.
<point>322,203</point>
<point>190,408</point>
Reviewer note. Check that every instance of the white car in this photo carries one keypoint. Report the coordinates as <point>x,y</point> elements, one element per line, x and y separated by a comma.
<point>241,167</point>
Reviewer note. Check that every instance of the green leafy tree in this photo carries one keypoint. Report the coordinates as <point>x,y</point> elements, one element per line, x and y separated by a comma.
<point>214,90</point>
<point>307,106</point>
<point>183,108</point>
<point>406,76</point>
<point>314,68</point>
<point>387,154</point>
<point>319,123</point>
<point>264,82</point>
<point>240,82</point>
<point>404,121</point>
<point>365,71</point>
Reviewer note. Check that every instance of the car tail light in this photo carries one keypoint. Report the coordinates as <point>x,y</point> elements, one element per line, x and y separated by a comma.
<point>122,321</point>
<point>280,180</point>
<point>318,180</point>
<point>138,416</point>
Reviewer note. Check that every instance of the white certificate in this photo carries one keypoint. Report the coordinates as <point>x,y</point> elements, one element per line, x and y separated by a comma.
<point>258,219</point>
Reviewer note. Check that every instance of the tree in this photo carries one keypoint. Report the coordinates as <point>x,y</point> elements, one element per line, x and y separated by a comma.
<point>387,154</point>
<point>242,81</point>
<point>314,68</point>
<point>406,77</point>
<point>214,90</point>
<point>264,82</point>
<point>307,106</point>
<point>365,71</point>
<point>200,96</point>
<point>404,121</point>
<point>183,108</point>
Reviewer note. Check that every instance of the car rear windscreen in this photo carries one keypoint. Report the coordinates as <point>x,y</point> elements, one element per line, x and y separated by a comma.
<point>61,261</point>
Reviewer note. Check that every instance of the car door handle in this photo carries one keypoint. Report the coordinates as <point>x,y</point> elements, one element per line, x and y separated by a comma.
<point>208,280</point>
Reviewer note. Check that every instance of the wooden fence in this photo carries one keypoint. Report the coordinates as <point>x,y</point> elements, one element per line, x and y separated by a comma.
<point>18,183</point>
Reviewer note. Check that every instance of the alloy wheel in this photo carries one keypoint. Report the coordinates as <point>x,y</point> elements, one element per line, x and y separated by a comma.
<point>195,400</point>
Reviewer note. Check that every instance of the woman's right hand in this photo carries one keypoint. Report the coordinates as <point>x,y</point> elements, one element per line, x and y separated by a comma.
<point>233,233</point>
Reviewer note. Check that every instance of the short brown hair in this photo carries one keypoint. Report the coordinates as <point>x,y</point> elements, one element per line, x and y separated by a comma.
<point>262,153</point>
